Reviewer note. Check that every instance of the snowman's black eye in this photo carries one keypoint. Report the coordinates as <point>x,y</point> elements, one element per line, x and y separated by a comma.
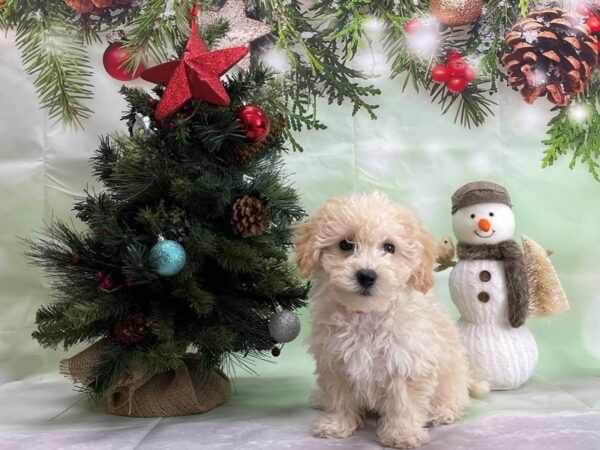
<point>491,214</point>
<point>346,246</point>
<point>473,216</point>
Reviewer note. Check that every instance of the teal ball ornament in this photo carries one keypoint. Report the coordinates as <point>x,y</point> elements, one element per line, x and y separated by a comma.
<point>168,257</point>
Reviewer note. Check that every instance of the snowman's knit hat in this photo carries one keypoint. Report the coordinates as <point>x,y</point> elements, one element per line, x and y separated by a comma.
<point>479,192</point>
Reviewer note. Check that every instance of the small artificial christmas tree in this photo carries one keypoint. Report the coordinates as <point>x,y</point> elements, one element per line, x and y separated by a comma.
<point>186,249</point>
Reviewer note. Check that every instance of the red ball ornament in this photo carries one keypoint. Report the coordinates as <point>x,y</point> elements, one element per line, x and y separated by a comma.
<point>594,23</point>
<point>456,67</point>
<point>255,122</point>
<point>413,26</point>
<point>439,74</point>
<point>456,84</point>
<point>114,56</point>
<point>452,55</point>
<point>469,74</point>
<point>75,258</point>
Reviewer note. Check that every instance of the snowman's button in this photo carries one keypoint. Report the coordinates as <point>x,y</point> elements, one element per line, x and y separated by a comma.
<point>485,276</point>
<point>483,297</point>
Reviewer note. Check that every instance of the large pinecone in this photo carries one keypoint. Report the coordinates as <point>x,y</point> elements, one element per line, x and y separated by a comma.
<point>88,6</point>
<point>551,53</point>
<point>131,330</point>
<point>249,217</point>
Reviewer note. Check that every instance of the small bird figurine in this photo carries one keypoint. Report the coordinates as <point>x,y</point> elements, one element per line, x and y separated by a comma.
<point>445,254</point>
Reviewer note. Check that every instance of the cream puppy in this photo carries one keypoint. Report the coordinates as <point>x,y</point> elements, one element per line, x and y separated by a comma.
<point>381,342</point>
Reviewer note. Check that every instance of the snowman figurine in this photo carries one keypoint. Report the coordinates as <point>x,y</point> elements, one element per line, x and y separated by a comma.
<point>489,286</point>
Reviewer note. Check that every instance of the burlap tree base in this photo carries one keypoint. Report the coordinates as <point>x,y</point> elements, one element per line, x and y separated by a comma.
<point>189,389</point>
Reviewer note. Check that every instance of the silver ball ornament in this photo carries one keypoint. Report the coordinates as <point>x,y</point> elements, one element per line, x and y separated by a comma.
<point>284,326</point>
<point>168,257</point>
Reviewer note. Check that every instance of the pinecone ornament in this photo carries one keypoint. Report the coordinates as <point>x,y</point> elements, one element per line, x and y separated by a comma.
<point>247,151</point>
<point>88,6</point>
<point>249,217</point>
<point>552,53</point>
<point>131,330</point>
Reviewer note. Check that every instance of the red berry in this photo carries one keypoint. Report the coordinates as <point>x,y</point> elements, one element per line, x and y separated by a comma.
<point>413,25</point>
<point>583,10</point>
<point>456,67</point>
<point>452,55</point>
<point>107,285</point>
<point>75,258</point>
<point>151,103</point>
<point>99,276</point>
<point>469,74</point>
<point>103,230</point>
<point>439,74</point>
<point>594,23</point>
<point>456,84</point>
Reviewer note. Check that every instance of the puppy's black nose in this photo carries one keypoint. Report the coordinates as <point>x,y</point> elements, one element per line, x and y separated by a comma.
<point>366,277</point>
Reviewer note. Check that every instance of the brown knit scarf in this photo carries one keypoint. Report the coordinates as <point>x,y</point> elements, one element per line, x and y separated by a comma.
<point>514,268</point>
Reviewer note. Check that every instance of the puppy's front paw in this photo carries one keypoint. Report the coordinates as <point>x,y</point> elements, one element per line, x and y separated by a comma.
<point>404,439</point>
<point>444,415</point>
<point>335,427</point>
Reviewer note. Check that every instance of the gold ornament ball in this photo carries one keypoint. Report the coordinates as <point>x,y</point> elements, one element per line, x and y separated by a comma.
<point>456,12</point>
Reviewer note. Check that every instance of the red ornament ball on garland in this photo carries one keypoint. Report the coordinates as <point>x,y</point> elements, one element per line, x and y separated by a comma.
<point>114,56</point>
<point>255,122</point>
<point>452,55</point>
<point>594,23</point>
<point>456,67</point>
<point>439,74</point>
<point>456,84</point>
<point>412,26</point>
<point>75,258</point>
<point>469,74</point>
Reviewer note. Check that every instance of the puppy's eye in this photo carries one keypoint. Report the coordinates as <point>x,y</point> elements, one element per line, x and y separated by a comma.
<point>491,214</point>
<point>346,246</point>
<point>389,248</point>
<point>473,216</point>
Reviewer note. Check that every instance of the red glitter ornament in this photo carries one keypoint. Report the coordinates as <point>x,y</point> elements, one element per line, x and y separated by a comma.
<point>196,75</point>
<point>114,58</point>
<point>255,122</point>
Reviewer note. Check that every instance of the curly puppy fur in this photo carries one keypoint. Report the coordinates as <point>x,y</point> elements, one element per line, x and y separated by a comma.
<point>387,348</point>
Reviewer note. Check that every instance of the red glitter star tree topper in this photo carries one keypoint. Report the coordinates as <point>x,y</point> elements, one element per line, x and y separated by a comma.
<point>196,75</point>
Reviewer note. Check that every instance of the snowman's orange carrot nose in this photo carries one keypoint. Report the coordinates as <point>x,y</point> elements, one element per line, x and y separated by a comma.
<point>484,225</point>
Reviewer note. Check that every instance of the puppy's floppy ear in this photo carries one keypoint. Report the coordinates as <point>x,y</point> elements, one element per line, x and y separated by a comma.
<point>307,253</point>
<point>422,278</point>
